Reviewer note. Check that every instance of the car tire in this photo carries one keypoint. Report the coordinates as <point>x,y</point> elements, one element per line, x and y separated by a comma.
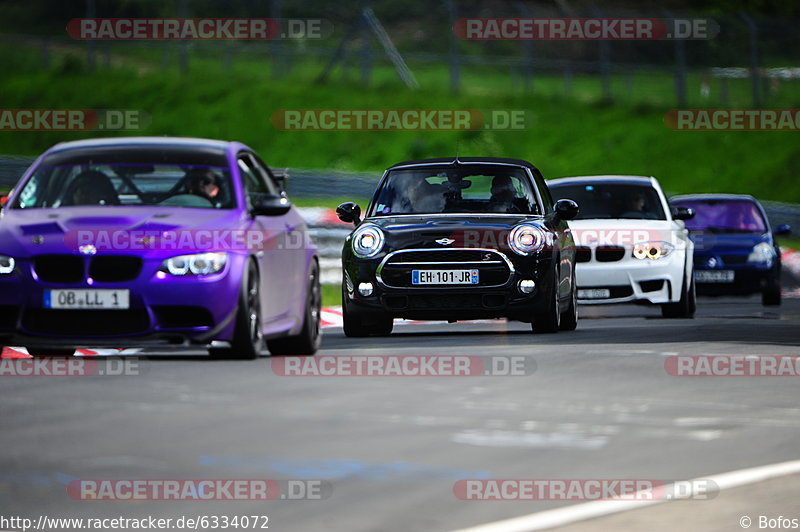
<point>569,318</point>
<point>354,326</point>
<point>771,297</point>
<point>684,308</point>
<point>45,352</point>
<point>308,341</point>
<point>248,339</point>
<point>549,321</point>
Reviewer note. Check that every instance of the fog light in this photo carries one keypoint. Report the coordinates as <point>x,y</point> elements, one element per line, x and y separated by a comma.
<point>365,289</point>
<point>526,286</point>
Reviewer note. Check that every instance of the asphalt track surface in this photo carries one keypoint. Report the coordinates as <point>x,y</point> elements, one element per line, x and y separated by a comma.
<point>600,405</point>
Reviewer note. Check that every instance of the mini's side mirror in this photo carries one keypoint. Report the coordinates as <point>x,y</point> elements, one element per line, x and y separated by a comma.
<point>781,230</point>
<point>682,213</point>
<point>3,200</point>
<point>349,212</point>
<point>566,209</point>
<point>270,205</point>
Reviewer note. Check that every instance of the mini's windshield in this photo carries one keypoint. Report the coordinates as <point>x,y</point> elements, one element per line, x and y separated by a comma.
<point>128,184</point>
<point>727,216</point>
<point>612,200</point>
<point>468,189</point>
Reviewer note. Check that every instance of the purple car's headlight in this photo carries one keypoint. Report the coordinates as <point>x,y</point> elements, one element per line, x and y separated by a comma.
<point>6,265</point>
<point>200,264</point>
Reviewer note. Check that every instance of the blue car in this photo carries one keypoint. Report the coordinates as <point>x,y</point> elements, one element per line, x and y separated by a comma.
<point>735,250</point>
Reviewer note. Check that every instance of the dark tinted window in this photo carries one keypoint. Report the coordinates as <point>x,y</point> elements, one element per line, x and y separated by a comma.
<point>468,189</point>
<point>612,200</point>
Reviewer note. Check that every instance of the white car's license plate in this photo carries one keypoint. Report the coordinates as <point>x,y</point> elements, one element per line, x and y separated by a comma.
<point>444,276</point>
<point>87,299</point>
<point>594,293</point>
<point>713,276</point>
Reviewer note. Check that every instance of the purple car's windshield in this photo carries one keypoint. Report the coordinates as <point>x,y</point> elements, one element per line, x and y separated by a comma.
<point>127,184</point>
<point>468,189</point>
<point>725,216</point>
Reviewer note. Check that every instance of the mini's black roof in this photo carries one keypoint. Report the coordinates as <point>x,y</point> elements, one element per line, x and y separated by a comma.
<point>455,161</point>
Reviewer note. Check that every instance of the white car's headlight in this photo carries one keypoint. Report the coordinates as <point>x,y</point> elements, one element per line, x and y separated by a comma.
<point>652,250</point>
<point>6,264</point>
<point>526,239</point>
<point>200,264</point>
<point>367,241</point>
<point>762,254</point>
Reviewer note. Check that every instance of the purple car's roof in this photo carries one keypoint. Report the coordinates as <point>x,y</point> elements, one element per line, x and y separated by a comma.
<point>144,142</point>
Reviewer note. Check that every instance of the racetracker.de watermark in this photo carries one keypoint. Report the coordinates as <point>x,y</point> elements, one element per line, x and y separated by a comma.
<point>208,29</point>
<point>90,241</point>
<point>404,366</point>
<point>733,119</point>
<point>70,367</point>
<point>73,119</point>
<point>585,29</point>
<point>399,119</point>
<point>732,365</point>
<point>209,489</point>
<point>595,489</point>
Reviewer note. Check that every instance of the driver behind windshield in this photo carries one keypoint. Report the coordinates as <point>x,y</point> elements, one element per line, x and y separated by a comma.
<point>203,182</point>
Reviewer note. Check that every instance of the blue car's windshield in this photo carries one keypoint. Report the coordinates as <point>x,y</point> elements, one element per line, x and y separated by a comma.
<point>469,189</point>
<point>725,216</point>
<point>128,184</point>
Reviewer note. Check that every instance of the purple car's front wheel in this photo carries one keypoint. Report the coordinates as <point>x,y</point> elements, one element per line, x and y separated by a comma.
<point>248,338</point>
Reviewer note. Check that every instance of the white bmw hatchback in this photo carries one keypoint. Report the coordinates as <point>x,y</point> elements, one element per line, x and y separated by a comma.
<point>631,246</point>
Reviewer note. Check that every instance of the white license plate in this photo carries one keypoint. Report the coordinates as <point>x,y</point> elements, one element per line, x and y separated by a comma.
<point>87,299</point>
<point>594,293</point>
<point>713,276</point>
<point>444,276</point>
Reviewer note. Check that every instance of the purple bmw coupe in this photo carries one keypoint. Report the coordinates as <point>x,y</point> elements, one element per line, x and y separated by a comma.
<point>152,241</point>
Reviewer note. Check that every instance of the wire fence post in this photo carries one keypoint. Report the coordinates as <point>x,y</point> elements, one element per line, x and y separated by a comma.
<point>605,61</point>
<point>680,67</point>
<point>751,25</point>
<point>184,54</point>
<point>90,44</point>
<point>455,60</point>
<point>527,52</point>
<point>366,49</point>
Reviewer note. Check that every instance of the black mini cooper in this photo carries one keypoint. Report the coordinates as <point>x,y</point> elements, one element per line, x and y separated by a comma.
<point>462,239</point>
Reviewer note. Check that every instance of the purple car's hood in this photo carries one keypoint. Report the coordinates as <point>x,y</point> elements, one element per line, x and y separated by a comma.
<point>25,232</point>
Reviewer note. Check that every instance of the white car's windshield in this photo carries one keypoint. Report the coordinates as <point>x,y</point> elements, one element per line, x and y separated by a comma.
<point>612,200</point>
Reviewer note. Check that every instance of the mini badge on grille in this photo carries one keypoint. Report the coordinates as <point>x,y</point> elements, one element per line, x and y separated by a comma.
<point>445,241</point>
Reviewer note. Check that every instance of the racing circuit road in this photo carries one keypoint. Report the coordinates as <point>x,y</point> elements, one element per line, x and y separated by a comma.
<point>599,405</point>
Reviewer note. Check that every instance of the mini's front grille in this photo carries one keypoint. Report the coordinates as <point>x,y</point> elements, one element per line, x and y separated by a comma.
<point>78,323</point>
<point>493,270</point>
<point>59,268</point>
<point>182,316</point>
<point>652,286</point>
<point>609,253</point>
<point>445,255</point>
<point>115,269</point>
<point>583,254</point>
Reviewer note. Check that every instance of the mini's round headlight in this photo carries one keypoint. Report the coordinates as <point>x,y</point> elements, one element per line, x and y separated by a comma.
<point>6,264</point>
<point>526,239</point>
<point>367,241</point>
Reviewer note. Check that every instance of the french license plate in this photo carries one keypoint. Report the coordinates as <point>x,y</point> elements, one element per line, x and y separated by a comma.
<point>87,299</point>
<point>444,276</point>
<point>594,293</point>
<point>713,276</point>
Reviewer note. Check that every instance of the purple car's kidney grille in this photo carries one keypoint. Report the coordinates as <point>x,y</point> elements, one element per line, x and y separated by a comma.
<point>72,268</point>
<point>59,268</point>
<point>115,269</point>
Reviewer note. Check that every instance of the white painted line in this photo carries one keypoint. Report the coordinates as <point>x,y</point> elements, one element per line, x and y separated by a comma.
<point>591,510</point>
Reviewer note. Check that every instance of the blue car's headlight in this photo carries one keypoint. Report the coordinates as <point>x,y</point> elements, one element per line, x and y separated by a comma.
<point>652,250</point>
<point>526,239</point>
<point>367,241</point>
<point>6,264</point>
<point>200,264</point>
<point>762,254</point>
